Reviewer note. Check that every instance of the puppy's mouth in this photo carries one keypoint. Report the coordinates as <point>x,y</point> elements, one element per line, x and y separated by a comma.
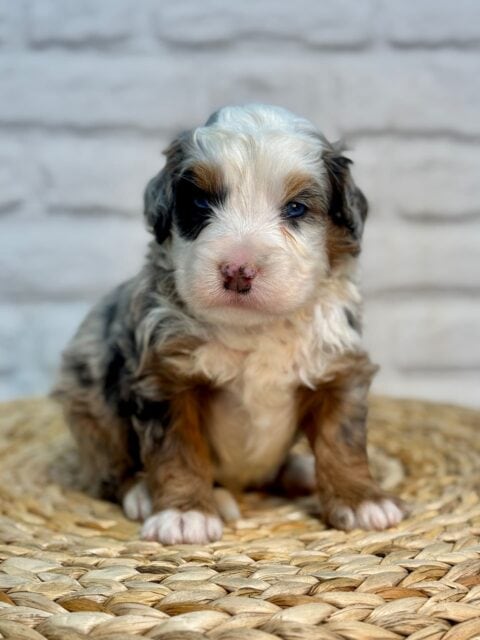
<point>261,302</point>
<point>244,291</point>
<point>243,297</point>
<point>240,288</point>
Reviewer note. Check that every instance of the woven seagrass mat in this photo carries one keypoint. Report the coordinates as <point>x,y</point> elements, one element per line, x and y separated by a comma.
<point>72,567</point>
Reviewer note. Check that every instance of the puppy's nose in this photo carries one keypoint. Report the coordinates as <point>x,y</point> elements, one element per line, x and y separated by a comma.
<point>238,277</point>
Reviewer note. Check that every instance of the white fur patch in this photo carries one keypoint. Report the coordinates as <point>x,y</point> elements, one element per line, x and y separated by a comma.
<point>253,418</point>
<point>176,527</point>
<point>368,515</point>
<point>136,503</point>
<point>226,504</point>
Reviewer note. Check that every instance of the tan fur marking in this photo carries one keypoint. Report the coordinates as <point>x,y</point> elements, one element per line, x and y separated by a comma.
<point>297,183</point>
<point>163,369</point>
<point>208,178</point>
<point>334,419</point>
<point>179,472</point>
<point>340,244</point>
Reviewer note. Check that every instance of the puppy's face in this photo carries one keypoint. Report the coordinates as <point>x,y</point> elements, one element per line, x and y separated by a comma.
<point>259,210</point>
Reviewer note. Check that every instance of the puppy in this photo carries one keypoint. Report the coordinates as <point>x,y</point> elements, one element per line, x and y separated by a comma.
<point>241,331</point>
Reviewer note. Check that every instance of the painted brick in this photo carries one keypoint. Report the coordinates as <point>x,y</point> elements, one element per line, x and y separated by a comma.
<point>89,91</point>
<point>426,334</point>
<point>412,92</point>
<point>104,174</point>
<point>430,23</point>
<point>12,22</point>
<point>348,94</point>
<point>330,23</point>
<point>17,175</point>
<point>68,257</point>
<point>426,92</point>
<point>419,179</point>
<point>3,20</point>
<point>81,130</point>
<point>81,24</point>
<point>39,332</point>
<point>411,258</point>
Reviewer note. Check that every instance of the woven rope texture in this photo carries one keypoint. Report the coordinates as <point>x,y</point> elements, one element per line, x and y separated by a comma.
<point>73,567</point>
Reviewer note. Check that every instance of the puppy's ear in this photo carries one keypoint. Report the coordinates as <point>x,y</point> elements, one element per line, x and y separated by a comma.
<point>159,195</point>
<point>348,206</point>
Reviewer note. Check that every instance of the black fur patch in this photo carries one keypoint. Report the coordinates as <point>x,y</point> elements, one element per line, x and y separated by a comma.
<point>162,225</point>
<point>113,382</point>
<point>149,410</point>
<point>82,373</point>
<point>108,488</point>
<point>348,206</point>
<point>361,203</point>
<point>191,219</point>
<point>150,420</point>
<point>157,201</point>
<point>338,167</point>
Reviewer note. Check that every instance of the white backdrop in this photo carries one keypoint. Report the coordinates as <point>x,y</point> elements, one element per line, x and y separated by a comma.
<point>90,92</point>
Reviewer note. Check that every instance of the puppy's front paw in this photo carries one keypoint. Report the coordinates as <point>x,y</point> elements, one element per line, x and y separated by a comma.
<point>182,527</point>
<point>369,514</point>
<point>136,503</point>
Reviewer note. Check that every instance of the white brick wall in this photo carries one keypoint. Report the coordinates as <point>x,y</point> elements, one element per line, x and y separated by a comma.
<point>91,91</point>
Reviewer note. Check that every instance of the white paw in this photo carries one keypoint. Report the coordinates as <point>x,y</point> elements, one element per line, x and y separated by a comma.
<point>226,504</point>
<point>182,527</point>
<point>136,502</point>
<point>368,515</point>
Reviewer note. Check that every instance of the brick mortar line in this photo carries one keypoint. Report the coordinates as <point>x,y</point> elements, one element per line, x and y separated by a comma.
<point>109,48</point>
<point>81,130</point>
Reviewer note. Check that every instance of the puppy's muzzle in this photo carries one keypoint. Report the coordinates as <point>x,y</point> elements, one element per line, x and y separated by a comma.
<point>237,277</point>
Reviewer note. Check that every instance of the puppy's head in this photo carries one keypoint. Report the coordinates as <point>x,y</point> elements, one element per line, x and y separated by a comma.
<point>258,210</point>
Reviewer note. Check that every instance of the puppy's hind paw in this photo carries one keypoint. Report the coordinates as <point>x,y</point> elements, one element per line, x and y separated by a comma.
<point>226,504</point>
<point>172,526</point>
<point>136,503</point>
<point>369,514</point>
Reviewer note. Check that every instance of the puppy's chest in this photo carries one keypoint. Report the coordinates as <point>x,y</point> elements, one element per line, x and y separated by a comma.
<point>252,417</point>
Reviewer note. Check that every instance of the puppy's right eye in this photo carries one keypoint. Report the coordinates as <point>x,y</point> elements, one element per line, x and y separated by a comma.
<point>295,209</point>
<point>202,203</point>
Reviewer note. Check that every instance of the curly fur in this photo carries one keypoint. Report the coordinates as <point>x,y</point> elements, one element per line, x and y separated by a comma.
<point>185,379</point>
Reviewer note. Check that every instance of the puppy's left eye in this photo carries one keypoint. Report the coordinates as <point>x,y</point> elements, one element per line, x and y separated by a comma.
<point>202,203</point>
<point>295,209</point>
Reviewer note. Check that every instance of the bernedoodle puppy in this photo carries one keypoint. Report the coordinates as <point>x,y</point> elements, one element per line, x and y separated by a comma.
<point>241,331</point>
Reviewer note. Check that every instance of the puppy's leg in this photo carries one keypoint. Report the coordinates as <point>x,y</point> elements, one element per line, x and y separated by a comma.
<point>180,478</point>
<point>335,423</point>
<point>136,502</point>
<point>107,457</point>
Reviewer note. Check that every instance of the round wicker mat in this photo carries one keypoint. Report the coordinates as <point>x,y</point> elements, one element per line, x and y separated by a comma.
<point>73,567</point>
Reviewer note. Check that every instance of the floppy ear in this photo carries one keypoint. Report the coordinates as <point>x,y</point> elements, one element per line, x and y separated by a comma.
<point>159,195</point>
<point>348,206</point>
